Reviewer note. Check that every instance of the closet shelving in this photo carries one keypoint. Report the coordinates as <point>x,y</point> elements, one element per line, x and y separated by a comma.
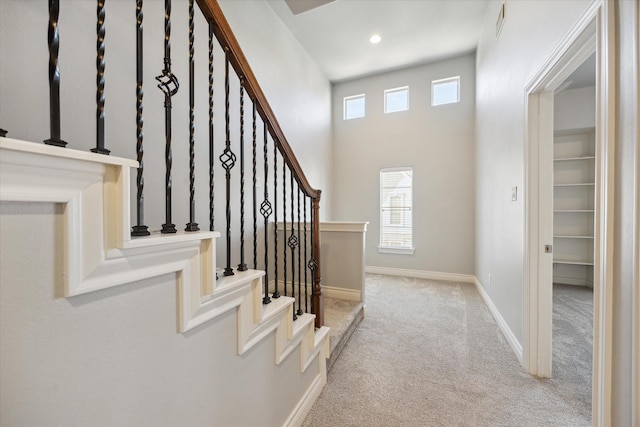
<point>573,199</point>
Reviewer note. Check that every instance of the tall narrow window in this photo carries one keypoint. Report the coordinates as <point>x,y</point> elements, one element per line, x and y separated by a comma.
<point>396,99</point>
<point>353,107</point>
<point>445,91</point>
<point>396,206</point>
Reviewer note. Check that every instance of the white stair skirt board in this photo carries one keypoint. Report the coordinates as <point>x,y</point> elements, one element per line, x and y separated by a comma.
<point>516,346</point>
<point>99,252</point>
<point>420,274</point>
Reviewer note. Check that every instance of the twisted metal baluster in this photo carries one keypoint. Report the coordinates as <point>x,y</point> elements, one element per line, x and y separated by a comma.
<point>211,147</point>
<point>242,266</point>
<point>293,242</point>
<point>306,292</point>
<point>284,223</point>
<point>169,85</point>
<point>299,261</point>
<point>276,293</point>
<point>139,229</point>
<point>266,211</point>
<point>312,264</point>
<point>228,159</point>
<point>255,183</point>
<point>54,76</point>
<point>100,29</point>
<point>192,225</point>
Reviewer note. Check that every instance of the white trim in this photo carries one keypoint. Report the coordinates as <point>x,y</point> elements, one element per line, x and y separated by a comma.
<point>502,324</point>
<point>420,274</point>
<point>342,293</point>
<point>635,399</point>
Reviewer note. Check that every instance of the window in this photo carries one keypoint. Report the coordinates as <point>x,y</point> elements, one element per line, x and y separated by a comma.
<point>353,107</point>
<point>396,99</point>
<point>445,91</point>
<point>396,205</point>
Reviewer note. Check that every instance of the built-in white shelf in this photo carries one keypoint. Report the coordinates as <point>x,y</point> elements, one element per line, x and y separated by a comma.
<point>571,262</point>
<point>573,200</point>
<point>570,159</point>
<point>575,184</point>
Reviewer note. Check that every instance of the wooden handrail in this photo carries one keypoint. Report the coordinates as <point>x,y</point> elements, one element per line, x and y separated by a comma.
<point>221,29</point>
<point>212,12</point>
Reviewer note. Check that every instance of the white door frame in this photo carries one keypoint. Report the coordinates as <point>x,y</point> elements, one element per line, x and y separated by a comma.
<point>593,32</point>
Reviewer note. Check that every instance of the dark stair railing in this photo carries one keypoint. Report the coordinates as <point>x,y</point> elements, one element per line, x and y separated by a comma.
<point>300,209</point>
<point>298,180</point>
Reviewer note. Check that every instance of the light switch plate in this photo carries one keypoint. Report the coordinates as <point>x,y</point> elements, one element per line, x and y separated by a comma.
<point>514,193</point>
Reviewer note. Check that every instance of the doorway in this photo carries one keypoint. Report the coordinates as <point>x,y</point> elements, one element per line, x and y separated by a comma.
<point>574,160</point>
<point>591,34</point>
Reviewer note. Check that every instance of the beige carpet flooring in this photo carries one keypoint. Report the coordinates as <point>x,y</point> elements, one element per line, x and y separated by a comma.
<point>429,353</point>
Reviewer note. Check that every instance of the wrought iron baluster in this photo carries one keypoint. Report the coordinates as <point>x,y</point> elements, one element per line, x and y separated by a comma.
<point>276,293</point>
<point>266,211</point>
<point>54,76</point>
<point>139,229</point>
<point>255,183</point>
<point>169,85</point>
<point>312,265</point>
<point>228,159</point>
<point>192,225</point>
<point>299,261</point>
<point>242,266</point>
<point>306,292</point>
<point>284,224</point>
<point>211,146</point>
<point>293,242</point>
<point>100,29</point>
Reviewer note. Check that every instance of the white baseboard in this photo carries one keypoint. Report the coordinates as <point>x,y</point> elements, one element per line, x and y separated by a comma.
<point>575,281</point>
<point>506,331</point>
<point>420,274</point>
<point>342,293</point>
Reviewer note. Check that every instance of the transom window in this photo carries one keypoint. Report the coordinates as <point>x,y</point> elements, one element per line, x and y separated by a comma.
<point>396,99</point>
<point>445,91</point>
<point>353,107</point>
<point>396,210</point>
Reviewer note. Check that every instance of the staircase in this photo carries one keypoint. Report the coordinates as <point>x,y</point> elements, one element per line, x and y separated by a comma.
<point>100,249</point>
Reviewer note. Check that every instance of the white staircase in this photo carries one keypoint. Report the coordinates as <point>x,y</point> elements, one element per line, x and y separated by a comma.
<point>98,253</point>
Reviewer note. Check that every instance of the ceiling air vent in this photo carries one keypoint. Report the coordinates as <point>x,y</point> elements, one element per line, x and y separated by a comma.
<point>300,6</point>
<point>500,20</point>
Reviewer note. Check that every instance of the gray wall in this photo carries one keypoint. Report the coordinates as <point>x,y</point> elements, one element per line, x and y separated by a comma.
<point>436,141</point>
<point>531,31</point>
<point>575,109</point>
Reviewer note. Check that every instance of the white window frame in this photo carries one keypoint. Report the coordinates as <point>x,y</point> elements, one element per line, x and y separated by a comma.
<point>403,250</point>
<point>346,99</point>
<point>435,83</point>
<point>396,89</point>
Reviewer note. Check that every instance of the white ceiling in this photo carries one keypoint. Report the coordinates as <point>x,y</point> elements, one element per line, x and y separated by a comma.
<point>336,34</point>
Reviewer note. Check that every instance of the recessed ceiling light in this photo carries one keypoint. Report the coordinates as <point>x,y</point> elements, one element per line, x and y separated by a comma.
<point>375,39</point>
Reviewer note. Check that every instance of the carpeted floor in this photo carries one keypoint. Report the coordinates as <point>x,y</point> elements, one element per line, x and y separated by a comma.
<point>429,353</point>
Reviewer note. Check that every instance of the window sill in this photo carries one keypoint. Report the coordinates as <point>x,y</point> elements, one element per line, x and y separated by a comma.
<point>395,250</point>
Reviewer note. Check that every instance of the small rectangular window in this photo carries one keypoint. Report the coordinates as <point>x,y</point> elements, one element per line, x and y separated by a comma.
<point>353,107</point>
<point>396,211</point>
<point>445,91</point>
<point>396,99</point>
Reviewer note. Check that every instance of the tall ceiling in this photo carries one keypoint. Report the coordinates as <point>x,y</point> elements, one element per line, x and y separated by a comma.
<point>336,34</point>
